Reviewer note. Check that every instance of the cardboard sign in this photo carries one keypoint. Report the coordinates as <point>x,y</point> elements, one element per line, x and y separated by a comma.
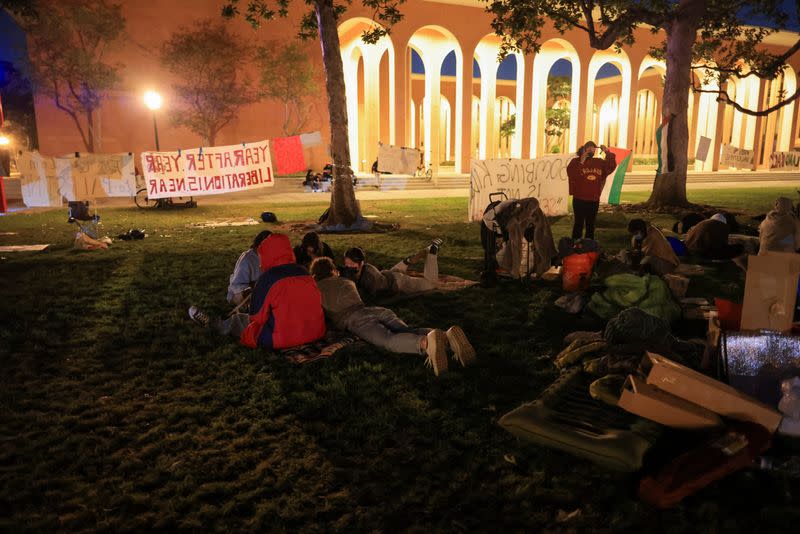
<point>770,291</point>
<point>704,391</point>
<point>39,180</point>
<point>544,178</point>
<point>207,171</point>
<point>736,157</point>
<point>702,148</point>
<point>398,160</point>
<point>90,176</point>
<point>649,402</point>
<point>310,140</point>
<point>784,160</point>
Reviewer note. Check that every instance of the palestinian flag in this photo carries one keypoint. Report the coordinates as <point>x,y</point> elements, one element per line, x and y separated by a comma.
<point>613,188</point>
<point>662,134</point>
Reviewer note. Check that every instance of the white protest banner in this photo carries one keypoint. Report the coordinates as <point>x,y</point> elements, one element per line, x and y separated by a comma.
<point>544,178</point>
<point>207,171</point>
<point>397,160</point>
<point>90,176</point>
<point>735,157</point>
<point>310,140</point>
<point>784,160</point>
<point>39,180</point>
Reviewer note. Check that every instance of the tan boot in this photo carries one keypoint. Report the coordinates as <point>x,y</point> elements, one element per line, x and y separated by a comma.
<point>437,351</point>
<point>460,345</point>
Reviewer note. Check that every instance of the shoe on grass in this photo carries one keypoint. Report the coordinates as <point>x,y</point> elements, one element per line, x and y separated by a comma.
<point>437,351</point>
<point>433,248</point>
<point>460,345</point>
<point>199,316</point>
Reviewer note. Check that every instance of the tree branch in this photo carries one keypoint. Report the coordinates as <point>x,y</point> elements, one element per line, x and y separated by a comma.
<point>725,98</point>
<point>71,112</point>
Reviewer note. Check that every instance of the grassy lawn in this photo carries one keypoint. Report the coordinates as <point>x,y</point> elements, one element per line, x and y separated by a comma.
<point>118,413</point>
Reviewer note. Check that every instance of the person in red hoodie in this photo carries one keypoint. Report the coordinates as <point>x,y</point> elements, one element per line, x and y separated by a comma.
<point>587,176</point>
<point>285,307</point>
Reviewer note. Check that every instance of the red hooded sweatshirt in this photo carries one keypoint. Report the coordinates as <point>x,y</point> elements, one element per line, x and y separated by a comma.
<point>286,306</point>
<point>586,180</point>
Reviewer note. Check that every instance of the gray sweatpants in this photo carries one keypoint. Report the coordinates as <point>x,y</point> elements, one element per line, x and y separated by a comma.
<point>382,328</point>
<point>408,285</point>
<point>233,325</point>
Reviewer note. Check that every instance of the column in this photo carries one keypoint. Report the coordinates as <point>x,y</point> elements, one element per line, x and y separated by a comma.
<point>527,100</point>
<point>632,118</point>
<point>488,96</point>
<point>372,110</point>
<point>717,144</point>
<point>759,129</point>
<point>402,99</point>
<point>464,145</point>
<point>583,110</point>
<point>433,99</point>
<point>795,115</point>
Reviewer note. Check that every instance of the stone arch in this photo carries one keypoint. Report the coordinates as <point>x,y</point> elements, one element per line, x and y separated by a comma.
<point>365,116</point>
<point>621,61</point>
<point>550,52</point>
<point>433,43</point>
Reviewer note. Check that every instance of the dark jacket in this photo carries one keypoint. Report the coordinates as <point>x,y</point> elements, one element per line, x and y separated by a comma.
<point>586,180</point>
<point>305,260</point>
<point>286,306</point>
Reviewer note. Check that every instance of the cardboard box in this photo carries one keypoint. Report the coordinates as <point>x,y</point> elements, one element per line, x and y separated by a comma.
<point>704,391</point>
<point>770,291</point>
<point>649,402</point>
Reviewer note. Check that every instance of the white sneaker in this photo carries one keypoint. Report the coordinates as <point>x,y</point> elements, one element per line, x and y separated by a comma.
<point>460,345</point>
<point>437,351</point>
<point>199,316</point>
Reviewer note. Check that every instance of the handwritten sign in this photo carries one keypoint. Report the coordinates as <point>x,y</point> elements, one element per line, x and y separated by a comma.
<point>735,157</point>
<point>90,176</point>
<point>397,160</point>
<point>207,171</point>
<point>544,178</point>
<point>784,160</point>
<point>38,180</point>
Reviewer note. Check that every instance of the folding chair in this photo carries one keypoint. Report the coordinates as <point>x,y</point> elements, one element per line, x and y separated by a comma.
<point>87,220</point>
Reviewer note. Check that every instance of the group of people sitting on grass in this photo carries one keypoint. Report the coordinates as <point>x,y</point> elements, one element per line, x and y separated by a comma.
<point>287,297</point>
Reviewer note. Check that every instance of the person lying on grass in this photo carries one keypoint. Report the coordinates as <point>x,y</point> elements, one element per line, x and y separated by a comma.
<point>285,308</point>
<point>311,248</point>
<point>246,272</point>
<point>380,326</point>
<point>655,253</point>
<point>374,282</point>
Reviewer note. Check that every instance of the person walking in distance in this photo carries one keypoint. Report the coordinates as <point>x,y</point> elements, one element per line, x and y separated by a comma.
<point>587,175</point>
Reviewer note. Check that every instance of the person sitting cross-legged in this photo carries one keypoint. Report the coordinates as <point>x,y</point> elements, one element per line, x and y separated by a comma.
<point>389,282</point>
<point>246,272</point>
<point>285,307</point>
<point>381,326</point>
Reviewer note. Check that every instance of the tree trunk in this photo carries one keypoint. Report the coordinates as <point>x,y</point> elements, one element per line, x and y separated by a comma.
<point>669,188</point>
<point>344,208</point>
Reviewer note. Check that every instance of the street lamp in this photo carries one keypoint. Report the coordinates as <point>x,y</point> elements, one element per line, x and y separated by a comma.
<point>153,101</point>
<point>4,141</point>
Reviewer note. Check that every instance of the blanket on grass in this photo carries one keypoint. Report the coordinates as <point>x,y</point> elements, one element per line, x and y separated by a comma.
<point>320,349</point>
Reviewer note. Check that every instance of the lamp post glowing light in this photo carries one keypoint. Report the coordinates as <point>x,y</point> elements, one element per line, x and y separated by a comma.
<point>4,141</point>
<point>153,102</point>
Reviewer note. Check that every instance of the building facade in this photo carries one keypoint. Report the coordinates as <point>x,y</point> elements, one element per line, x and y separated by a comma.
<point>456,109</point>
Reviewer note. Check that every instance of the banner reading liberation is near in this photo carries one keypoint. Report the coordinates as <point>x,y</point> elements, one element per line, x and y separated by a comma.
<point>208,170</point>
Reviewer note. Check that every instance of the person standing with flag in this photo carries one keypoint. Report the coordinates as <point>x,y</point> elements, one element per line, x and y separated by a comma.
<point>587,175</point>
